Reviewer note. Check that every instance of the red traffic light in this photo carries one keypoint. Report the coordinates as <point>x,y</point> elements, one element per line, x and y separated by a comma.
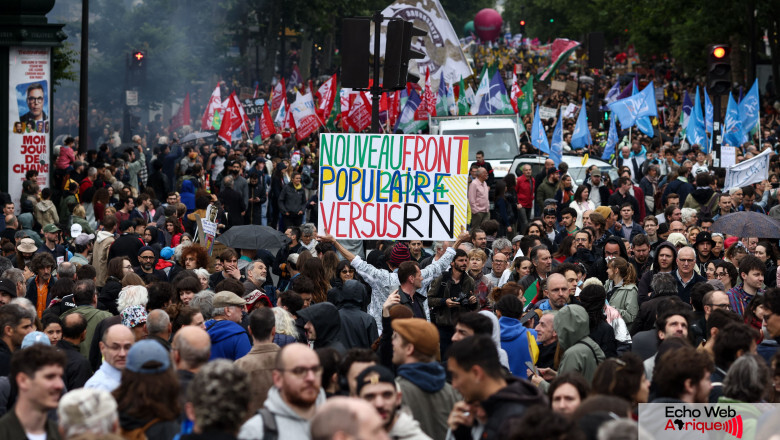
<point>138,56</point>
<point>719,52</point>
<point>522,22</point>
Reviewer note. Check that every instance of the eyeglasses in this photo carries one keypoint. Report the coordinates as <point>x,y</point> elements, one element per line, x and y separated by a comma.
<point>146,257</point>
<point>725,306</point>
<point>303,371</point>
<point>38,99</point>
<point>127,267</point>
<point>499,261</point>
<point>348,271</point>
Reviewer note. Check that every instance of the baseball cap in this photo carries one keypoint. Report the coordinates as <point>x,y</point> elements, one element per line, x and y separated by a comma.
<point>83,239</point>
<point>550,211</point>
<point>35,338</point>
<point>226,299</point>
<point>256,295</point>
<point>75,230</point>
<point>548,202</point>
<point>373,375</point>
<point>51,228</point>
<point>147,350</point>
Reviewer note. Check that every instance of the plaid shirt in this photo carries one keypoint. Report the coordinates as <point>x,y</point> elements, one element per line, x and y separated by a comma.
<point>739,299</point>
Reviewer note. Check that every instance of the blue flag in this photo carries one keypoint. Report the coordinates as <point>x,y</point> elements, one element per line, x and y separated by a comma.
<point>695,132</point>
<point>581,136</point>
<point>496,101</point>
<point>732,125</point>
<point>612,95</point>
<point>538,136</point>
<point>709,123</point>
<point>644,124</point>
<point>630,109</point>
<point>612,139</point>
<point>748,110</point>
<point>406,122</point>
<point>556,147</point>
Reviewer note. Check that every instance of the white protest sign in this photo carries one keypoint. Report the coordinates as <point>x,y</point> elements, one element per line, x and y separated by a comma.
<point>569,111</point>
<point>729,156</point>
<point>748,172</point>
<point>399,187</point>
<point>547,113</point>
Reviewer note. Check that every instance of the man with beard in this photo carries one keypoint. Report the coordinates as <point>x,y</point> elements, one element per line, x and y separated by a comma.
<point>15,324</point>
<point>147,259</point>
<point>240,185</point>
<point>547,188</point>
<point>294,397</point>
<point>376,384</point>
<point>622,195</point>
<point>39,286</point>
<point>452,293</point>
<point>704,244</point>
<point>724,205</point>
<point>542,264</point>
<point>683,375</point>
<point>257,279</point>
<point>216,161</point>
<point>52,235</point>
<point>640,247</point>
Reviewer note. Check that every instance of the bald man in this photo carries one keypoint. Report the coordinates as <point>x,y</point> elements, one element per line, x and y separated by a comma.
<point>347,418</point>
<point>190,349</point>
<point>295,396</point>
<point>114,346</point>
<point>556,292</point>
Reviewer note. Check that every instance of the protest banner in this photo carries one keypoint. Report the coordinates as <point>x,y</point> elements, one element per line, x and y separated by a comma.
<point>750,171</point>
<point>558,85</point>
<point>572,87</point>
<point>29,76</point>
<point>729,156</point>
<point>547,113</point>
<point>397,187</point>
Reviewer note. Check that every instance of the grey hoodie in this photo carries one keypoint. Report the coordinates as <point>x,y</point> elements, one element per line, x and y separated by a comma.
<point>407,428</point>
<point>288,421</point>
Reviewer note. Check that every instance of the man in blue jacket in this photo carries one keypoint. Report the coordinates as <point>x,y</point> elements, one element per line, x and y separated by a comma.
<point>228,339</point>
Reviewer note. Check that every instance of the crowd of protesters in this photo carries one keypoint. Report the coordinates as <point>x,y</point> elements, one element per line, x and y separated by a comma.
<point>559,311</point>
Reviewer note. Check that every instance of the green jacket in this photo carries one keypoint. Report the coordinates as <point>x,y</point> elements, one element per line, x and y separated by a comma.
<point>580,352</point>
<point>624,299</point>
<point>93,317</point>
<point>11,428</point>
<point>545,191</point>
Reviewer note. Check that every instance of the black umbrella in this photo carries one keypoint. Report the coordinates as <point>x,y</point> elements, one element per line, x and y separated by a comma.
<point>197,135</point>
<point>747,224</point>
<point>254,237</point>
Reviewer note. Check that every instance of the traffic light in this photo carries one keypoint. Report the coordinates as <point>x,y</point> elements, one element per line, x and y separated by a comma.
<point>718,69</point>
<point>409,54</point>
<point>522,27</point>
<point>138,60</point>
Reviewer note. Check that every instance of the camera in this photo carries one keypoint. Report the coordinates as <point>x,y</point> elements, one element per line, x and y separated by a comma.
<point>462,299</point>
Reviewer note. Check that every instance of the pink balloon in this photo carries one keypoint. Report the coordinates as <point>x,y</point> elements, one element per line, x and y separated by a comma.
<point>488,23</point>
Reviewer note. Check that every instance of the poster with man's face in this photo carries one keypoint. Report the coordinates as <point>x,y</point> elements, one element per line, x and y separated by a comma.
<point>32,101</point>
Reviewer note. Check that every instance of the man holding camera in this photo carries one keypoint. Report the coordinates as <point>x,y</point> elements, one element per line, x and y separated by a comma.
<point>451,293</point>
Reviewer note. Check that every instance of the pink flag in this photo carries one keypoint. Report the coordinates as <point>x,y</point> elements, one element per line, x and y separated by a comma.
<point>278,93</point>
<point>215,104</point>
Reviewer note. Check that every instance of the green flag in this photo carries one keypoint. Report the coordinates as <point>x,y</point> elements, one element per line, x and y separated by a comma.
<point>531,292</point>
<point>334,113</point>
<point>525,104</point>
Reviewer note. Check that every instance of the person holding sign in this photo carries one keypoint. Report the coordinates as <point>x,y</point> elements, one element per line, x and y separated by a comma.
<point>383,282</point>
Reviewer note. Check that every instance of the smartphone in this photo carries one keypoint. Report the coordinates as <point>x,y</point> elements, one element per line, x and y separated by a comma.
<point>532,367</point>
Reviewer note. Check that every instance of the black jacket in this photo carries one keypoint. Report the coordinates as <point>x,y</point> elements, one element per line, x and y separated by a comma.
<point>327,324</point>
<point>439,292</point>
<point>604,336</point>
<point>77,369</point>
<point>509,403</point>
<point>5,359</point>
<point>127,245</point>
<point>109,294</point>
<point>233,204</point>
<point>358,329</point>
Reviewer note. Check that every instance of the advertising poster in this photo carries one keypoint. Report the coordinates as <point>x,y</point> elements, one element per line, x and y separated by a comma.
<point>29,76</point>
<point>393,187</point>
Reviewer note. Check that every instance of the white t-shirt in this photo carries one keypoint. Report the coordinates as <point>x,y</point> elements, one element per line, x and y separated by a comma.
<point>35,436</point>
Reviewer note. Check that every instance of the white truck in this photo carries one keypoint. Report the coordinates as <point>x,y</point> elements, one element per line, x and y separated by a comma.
<point>497,136</point>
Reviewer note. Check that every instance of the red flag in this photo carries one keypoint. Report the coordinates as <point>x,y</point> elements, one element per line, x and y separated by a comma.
<point>257,87</point>
<point>345,99</point>
<point>428,103</point>
<point>306,121</point>
<point>235,109</point>
<point>288,125</point>
<point>515,93</point>
<point>241,113</point>
<point>326,96</point>
<point>394,107</point>
<point>360,113</point>
<point>215,103</point>
<point>182,117</point>
<point>277,94</point>
<point>225,132</point>
<point>266,123</point>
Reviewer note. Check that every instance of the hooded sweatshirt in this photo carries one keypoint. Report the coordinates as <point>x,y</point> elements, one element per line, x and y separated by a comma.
<point>428,396</point>
<point>46,213</point>
<point>288,421</point>
<point>406,428</point>
<point>100,255</point>
<point>327,324</point>
<point>188,195</point>
<point>228,340</point>
<point>502,356</point>
<point>643,287</point>
<point>358,329</point>
<point>514,340</point>
<point>580,352</point>
<point>700,197</point>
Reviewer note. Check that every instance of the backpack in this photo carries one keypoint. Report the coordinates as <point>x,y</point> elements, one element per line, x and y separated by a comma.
<point>137,433</point>
<point>270,430</point>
